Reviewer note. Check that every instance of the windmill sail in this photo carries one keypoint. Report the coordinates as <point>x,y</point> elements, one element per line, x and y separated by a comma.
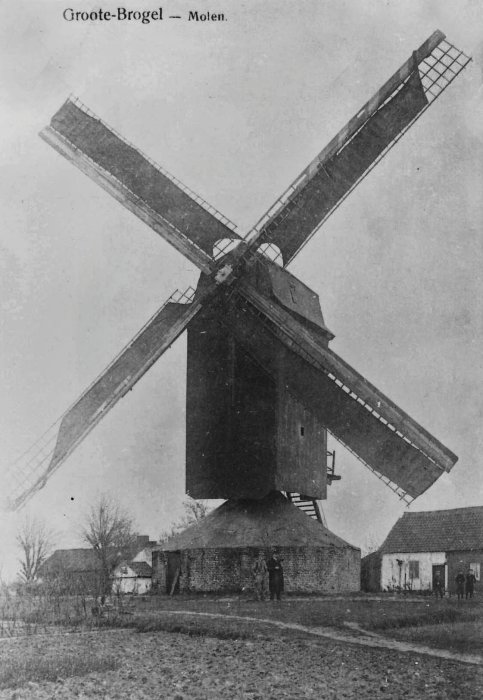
<point>177,214</point>
<point>369,424</point>
<point>119,378</point>
<point>354,151</point>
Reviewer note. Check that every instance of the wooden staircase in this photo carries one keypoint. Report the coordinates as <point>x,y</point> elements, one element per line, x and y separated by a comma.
<point>308,505</point>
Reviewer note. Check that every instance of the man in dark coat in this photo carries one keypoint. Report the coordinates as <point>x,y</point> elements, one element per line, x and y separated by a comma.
<point>460,584</point>
<point>275,576</point>
<point>470,583</point>
<point>438,585</point>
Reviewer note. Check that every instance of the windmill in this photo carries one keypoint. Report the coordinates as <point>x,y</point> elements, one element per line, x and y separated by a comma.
<point>263,386</point>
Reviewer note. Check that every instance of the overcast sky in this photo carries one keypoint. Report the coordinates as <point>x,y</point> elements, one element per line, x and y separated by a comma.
<point>235,110</point>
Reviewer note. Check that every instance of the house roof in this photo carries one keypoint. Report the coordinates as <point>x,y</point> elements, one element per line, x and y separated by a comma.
<point>270,522</point>
<point>85,559</point>
<point>71,560</point>
<point>458,529</point>
<point>141,568</point>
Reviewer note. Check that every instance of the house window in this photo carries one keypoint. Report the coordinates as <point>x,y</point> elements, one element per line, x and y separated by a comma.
<point>476,570</point>
<point>302,431</point>
<point>413,569</point>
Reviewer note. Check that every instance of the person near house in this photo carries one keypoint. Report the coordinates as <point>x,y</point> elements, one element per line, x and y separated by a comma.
<point>259,572</point>
<point>275,576</point>
<point>470,583</point>
<point>438,585</point>
<point>460,584</point>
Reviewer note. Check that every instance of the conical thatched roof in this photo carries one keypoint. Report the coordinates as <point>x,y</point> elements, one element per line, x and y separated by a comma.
<point>270,522</point>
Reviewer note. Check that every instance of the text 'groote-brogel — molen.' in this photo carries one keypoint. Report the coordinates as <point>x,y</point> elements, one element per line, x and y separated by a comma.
<point>123,14</point>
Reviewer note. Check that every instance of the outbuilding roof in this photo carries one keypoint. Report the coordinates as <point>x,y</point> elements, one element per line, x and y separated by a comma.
<point>458,529</point>
<point>71,560</point>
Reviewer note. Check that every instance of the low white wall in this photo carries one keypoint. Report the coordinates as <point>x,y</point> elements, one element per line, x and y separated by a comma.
<point>128,584</point>
<point>394,575</point>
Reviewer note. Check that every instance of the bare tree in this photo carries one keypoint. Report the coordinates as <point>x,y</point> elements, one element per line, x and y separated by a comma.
<point>109,530</point>
<point>35,541</point>
<point>194,511</point>
<point>371,544</point>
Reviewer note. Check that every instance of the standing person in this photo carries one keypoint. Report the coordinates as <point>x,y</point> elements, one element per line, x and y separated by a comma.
<point>460,584</point>
<point>259,572</point>
<point>275,576</point>
<point>470,583</point>
<point>438,585</point>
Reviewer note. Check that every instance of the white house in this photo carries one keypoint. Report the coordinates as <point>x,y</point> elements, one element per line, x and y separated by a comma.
<point>134,574</point>
<point>132,577</point>
<point>422,545</point>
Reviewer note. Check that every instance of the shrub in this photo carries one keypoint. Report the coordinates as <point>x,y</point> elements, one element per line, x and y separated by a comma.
<point>31,667</point>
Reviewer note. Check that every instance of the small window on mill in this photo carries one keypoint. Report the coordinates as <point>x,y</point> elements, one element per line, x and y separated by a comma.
<point>302,431</point>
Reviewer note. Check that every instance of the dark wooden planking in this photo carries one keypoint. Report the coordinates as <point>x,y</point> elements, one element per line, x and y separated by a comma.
<point>230,416</point>
<point>243,435</point>
<point>301,447</point>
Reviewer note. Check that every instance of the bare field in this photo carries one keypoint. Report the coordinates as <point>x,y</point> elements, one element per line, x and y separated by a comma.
<point>185,656</point>
<point>174,665</point>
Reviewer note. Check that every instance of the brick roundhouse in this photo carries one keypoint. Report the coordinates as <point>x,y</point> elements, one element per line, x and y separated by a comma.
<point>216,555</point>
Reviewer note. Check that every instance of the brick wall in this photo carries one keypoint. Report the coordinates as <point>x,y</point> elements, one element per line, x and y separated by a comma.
<point>306,569</point>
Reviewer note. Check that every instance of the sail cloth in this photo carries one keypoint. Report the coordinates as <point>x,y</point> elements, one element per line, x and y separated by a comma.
<point>340,172</point>
<point>134,171</point>
<point>120,377</point>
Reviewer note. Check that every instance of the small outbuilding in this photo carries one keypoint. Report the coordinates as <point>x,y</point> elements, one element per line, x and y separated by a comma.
<point>132,577</point>
<point>217,554</point>
<point>424,545</point>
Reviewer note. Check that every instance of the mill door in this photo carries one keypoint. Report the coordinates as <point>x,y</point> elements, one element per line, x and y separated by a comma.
<point>173,572</point>
<point>439,569</point>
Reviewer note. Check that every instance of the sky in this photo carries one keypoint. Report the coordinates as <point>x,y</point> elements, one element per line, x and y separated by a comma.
<point>235,110</point>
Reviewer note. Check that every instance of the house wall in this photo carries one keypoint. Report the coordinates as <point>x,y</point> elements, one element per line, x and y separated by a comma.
<point>393,575</point>
<point>463,560</point>
<point>306,569</point>
<point>132,584</point>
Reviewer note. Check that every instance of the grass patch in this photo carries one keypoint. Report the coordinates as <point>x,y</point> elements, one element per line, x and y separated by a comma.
<point>433,616</point>
<point>33,668</point>
<point>464,637</point>
<point>208,627</point>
